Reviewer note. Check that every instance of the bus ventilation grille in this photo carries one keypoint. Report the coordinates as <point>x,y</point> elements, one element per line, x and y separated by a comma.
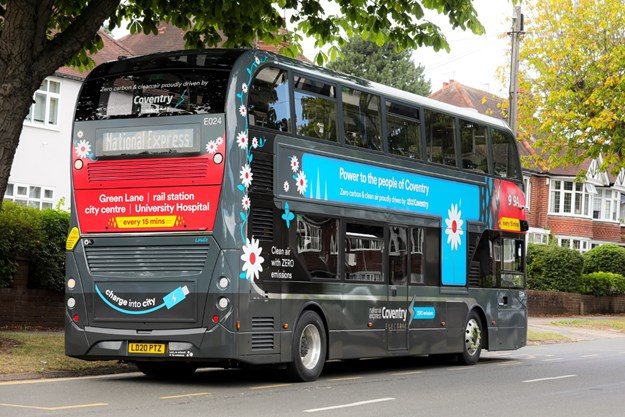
<point>263,341</point>
<point>262,223</point>
<point>474,274</point>
<point>157,259</point>
<point>263,174</point>
<point>147,170</point>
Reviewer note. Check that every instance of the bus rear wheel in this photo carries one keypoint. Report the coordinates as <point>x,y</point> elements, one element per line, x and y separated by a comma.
<point>172,370</point>
<point>472,340</point>
<point>309,348</point>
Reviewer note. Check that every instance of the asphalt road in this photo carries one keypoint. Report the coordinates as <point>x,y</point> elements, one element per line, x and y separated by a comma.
<point>586,378</point>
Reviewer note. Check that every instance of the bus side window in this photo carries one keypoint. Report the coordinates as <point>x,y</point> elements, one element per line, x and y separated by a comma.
<point>317,245</point>
<point>397,255</point>
<point>440,138</point>
<point>361,115</point>
<point>364,251</point>
<point>316,109</point>
<point>268,104</point>
<point>505,155</point>
<point>404,130</point>
<point>425,266</point>
<point>474,148</point>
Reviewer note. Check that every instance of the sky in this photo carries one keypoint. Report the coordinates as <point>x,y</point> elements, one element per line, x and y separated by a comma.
<point>473,60</point>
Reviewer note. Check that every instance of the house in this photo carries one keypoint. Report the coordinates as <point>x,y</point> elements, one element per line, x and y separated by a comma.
<point>580,215</point>
<point>41,167</point>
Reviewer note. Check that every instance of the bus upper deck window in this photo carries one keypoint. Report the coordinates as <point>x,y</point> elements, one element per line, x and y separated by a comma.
<point>474,148</point>
<point>361,114</point>
<point>440,138</point>
<point>404,130</point>
<point>269,100</point>
<point>505,155</point>
<point>315,109</point>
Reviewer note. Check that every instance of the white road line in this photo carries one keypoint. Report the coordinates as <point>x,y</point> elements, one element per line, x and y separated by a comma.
<point>357,404</point>
<point>552,360</point>
<point>551,378</point>
<point>590,356</point>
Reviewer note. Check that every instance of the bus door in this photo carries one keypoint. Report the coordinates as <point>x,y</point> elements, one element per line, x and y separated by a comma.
<point>397,315</point>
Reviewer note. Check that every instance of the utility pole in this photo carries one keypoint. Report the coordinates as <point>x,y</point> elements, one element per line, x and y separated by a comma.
<point>515,34</point>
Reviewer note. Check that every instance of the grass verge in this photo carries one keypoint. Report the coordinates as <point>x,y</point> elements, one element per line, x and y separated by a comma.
<point>43,353</point>
<point>536,337</point>
<point>616,324</point>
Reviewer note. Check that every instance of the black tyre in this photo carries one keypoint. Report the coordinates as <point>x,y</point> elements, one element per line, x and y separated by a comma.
<point>171,370</point>
<point>472,340</point>
<point>309,348</point>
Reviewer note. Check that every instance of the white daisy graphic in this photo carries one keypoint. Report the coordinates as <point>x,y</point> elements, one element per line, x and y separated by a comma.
<point>301,182</point>
<point>219,141</point>
<point>252,261</point>
<point>211,147</point>
<point>243,110</point>
<point>286,186</point>
<point>83,149</point>
<point>244,87</point>
<point>246,175</point>
<point>242,140</point>
<point>294,163</point>
<point>454,226</point>
<point>257,60</point>
<point>246,202</point>
<point>254,142</point>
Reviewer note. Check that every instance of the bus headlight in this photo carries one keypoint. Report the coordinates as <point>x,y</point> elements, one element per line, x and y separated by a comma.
<point>223,283</point>
<point>71,302</point>
<point>218,158</point>
<point>71,283</point>
<point>223,303</point>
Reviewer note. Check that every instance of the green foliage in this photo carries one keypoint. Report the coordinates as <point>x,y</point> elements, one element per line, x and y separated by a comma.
<point>602,283</point>
<point>605,258</point>
<point>572,83</point>
<point>383,64</point>
<point>552,268</point>
<point>38,236</point>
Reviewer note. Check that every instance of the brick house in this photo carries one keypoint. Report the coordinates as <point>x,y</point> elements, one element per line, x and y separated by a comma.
<point>580,215</point>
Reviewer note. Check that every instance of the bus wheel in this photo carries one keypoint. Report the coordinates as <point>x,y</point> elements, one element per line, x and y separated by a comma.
<point>167,369</point>
<point>472,343</point>
<point>309,348</point>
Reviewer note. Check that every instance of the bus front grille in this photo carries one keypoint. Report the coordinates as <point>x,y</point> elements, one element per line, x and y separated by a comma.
<point>137,170</point>
<point>158,259</point>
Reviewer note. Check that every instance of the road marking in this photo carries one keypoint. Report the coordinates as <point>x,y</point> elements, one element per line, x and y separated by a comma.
<point>195,394</point>
<point>77,378</point>
<point>590,356</point>
<point>357,404</point>
<point>552,360</point>
<point>271,386</point>
<point>350,378</point>
<point>511,363</point>
<point>551,378</point>
<point>407,373</point>
<point>63,407</point>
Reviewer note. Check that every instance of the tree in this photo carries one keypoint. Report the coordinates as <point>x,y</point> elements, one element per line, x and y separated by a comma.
<point>572,82</point>
<point>382,64</point>
<point>39,36</point>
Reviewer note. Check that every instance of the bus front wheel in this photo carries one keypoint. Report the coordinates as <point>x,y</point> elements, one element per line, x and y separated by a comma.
<point>472,340</point>
<point>309,348</point>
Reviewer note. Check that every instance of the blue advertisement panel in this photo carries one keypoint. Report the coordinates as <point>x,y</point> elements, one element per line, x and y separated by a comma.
<point>329,179</point>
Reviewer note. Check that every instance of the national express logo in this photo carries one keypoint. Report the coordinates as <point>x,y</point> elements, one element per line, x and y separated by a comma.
<point>398,314</point>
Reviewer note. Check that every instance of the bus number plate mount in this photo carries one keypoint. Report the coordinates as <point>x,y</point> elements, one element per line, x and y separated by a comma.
<point>146,348</point>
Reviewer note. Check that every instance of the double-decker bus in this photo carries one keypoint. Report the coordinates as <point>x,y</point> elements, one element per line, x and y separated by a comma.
<point>237,207</point>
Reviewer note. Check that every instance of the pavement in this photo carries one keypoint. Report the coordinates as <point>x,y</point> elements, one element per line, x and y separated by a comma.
<point>576,334</point>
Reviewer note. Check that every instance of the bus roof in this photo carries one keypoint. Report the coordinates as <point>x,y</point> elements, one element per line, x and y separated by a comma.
<point>226,58</point>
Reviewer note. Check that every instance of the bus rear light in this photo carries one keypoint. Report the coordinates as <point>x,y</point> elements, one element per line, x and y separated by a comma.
<point>76,318</point>
<point>215,318</point>
<point>218,158</point>
<point>71,302</point>
<point>223,303</point>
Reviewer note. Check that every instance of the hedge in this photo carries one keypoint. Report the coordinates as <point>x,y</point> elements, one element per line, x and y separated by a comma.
<point>37,236</point>
<point>605,258</point>
<point>552,268</point>
<point>603,283</point>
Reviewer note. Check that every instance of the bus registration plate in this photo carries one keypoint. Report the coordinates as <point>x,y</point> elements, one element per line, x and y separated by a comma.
<point>147,348</point>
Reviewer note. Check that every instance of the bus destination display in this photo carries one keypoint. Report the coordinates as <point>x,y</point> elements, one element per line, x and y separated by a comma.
<point>173,139</point>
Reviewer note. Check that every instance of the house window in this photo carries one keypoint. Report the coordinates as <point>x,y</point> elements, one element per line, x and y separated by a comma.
<point>45,108</point>
<point>605,204</point>
<point>30,195</point>
<point>528,191</point>
<point>568,197</point>
<point>538,236</point>
<point>580,245</point>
